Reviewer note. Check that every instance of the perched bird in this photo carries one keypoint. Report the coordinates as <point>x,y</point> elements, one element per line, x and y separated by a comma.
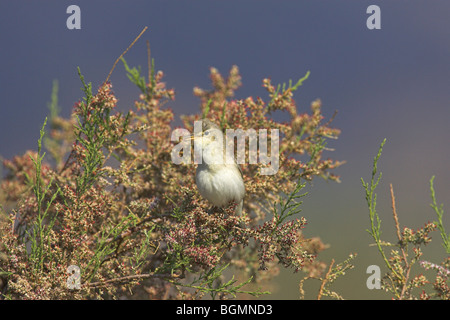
<point>218,181</point>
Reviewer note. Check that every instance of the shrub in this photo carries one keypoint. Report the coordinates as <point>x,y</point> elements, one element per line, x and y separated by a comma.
<point>106,213</point>
<point>402,281</point>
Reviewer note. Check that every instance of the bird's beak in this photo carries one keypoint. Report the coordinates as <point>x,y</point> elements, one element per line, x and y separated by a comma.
<point>193,136</point>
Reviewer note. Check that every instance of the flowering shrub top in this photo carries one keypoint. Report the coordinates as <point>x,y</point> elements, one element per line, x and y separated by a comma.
<point>108,200</point>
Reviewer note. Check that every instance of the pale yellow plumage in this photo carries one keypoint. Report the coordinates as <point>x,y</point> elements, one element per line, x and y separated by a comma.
<point>218,181</point>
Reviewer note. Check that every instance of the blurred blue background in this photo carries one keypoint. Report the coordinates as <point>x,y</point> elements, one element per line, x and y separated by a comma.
<point>390,83</point>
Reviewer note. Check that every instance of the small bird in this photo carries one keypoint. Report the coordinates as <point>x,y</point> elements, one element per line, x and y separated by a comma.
<point>218,182</point>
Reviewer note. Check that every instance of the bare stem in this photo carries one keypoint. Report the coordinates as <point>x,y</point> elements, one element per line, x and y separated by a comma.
<point>130,278</point>
<point>123,53</point>
<point>325,280</point>
<point>405,259</point>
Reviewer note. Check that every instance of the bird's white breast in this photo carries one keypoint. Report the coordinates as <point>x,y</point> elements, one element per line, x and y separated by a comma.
<point>220,184</point>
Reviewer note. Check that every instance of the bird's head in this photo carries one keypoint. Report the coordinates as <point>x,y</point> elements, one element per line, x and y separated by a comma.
<point>211,142</point>
<point>211,135</point>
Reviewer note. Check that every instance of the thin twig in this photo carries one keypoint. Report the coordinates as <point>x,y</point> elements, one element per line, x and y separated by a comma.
<point>405,259</point>
<point>137,227</point>
<point>130,278</point>
<point>331,120</point>
<point>123,53</point>
<point>394,213</point>
<point>325,280</point>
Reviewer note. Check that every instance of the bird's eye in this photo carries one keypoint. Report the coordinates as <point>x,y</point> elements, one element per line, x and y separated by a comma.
<point>206,133</point>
